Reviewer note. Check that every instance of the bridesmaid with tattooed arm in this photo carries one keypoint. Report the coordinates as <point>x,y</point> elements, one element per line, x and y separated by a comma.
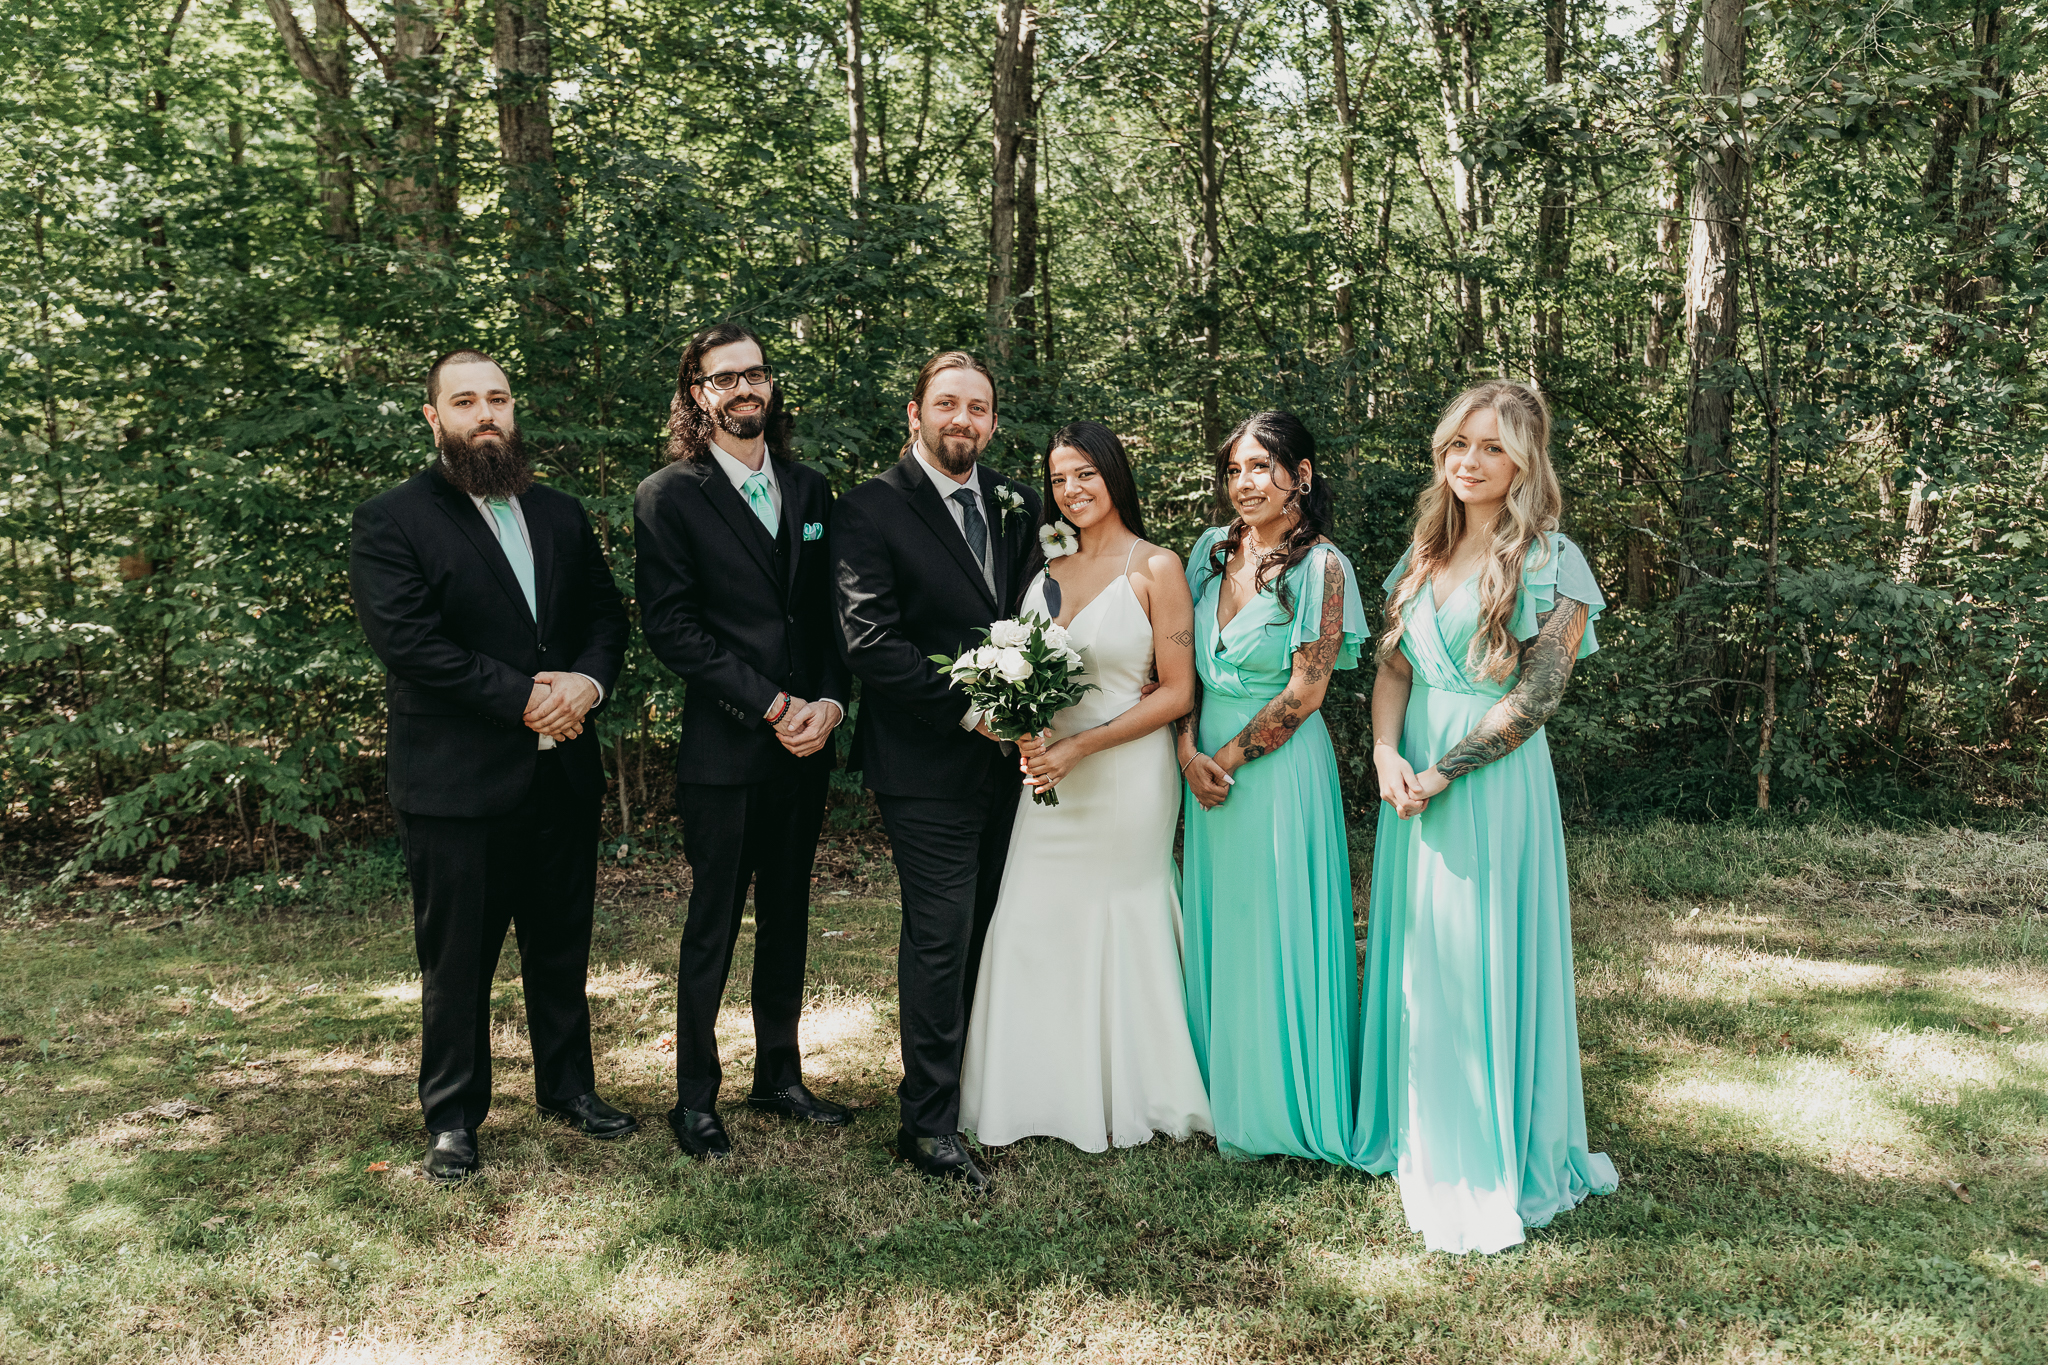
<point>1266,878</point>
<point>1470,1082</point>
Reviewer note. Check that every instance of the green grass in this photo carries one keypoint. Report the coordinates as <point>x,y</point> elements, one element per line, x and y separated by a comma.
<point>1779,1055</point>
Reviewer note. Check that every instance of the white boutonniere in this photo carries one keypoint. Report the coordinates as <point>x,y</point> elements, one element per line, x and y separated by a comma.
<point>1057,539</point>
<point>1009,502</point>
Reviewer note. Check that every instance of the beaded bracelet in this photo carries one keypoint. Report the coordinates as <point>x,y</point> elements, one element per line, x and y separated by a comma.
<point>778,707</point>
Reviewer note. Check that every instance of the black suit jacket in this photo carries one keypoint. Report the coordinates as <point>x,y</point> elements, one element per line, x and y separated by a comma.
<point>909,588</point>
<point>738,614</point>
<point>438,600</point>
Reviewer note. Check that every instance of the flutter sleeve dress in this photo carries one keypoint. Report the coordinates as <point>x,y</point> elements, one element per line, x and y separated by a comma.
<point>1469,1087</point>
<point>1270,954</point>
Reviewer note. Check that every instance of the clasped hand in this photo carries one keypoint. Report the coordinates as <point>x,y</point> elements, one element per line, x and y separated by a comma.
<point>1401,786</point>
<point>1045,765</point>
<point>558,703</point>
<point>806,725</point>
<point>1209,780</point>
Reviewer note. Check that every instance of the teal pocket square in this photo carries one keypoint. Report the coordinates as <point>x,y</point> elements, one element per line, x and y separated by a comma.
<point>814,530</point>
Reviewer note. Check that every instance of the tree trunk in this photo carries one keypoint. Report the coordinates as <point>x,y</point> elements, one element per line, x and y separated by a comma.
<point>1009,102</point>
<point>412,192</point>
<point>1458,88</point>
<point>856,107</point>
<point>1720,181</point>
<point>1546,334</point>
<point>1671,53</point>
<point>1024,320</point>
<point>524,56</point>
<point>323,63</point>
<point>1347,196</point>
<point>1209,188</point>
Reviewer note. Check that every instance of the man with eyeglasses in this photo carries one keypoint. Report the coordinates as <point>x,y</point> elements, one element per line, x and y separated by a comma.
<point>736,597</point>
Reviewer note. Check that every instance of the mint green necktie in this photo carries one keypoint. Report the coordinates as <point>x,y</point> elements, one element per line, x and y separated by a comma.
<point>760,499</point>
<point>514,546</point>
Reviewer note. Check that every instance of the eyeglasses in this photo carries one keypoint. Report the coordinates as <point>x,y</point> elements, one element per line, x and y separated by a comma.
<point>724,380</point>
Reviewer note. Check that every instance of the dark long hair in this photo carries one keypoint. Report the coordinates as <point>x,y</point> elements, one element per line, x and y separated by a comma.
<point>1289,443</point>
<point>689,426</point>
<point>1106,453</point>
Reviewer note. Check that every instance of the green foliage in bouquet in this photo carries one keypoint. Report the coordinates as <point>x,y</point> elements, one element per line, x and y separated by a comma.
<point>1025,673</point>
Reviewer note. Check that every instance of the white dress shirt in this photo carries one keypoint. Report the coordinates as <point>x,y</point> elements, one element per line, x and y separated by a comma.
<point>737,471</point>
<point>519,518</point>
<point>945,485</point>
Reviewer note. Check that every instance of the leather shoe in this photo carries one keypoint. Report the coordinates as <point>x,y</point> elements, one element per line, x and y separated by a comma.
<point>940,1158</point>
<point>592,1117</point>
<point>700,1134</point>
<point>799,1103</point>
<point>451,1155</point>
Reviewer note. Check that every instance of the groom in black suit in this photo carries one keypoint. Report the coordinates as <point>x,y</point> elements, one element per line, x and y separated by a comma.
<point>736,596</point>
<point>926,555</point>
<point>489,601</point>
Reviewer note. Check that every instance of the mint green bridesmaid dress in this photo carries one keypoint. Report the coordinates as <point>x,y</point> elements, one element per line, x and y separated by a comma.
<point>1469,1087</point>
<point>1270,953</point>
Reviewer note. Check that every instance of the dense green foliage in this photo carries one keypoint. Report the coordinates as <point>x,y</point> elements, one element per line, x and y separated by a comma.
<point>221,281</point>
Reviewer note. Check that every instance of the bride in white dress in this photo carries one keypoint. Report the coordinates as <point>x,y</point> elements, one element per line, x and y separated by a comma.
<point>1080,1028</point>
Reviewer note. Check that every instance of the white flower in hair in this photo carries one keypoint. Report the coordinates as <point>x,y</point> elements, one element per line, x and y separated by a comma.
<point>1012,665</point>
<point>1009,634</point>
<point>1057,538</point>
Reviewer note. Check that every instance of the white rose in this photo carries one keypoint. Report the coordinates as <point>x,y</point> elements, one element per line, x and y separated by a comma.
<point>1056,637</point>
<point>964,666</point>
<point>1009,634</point>
<point>985,658</point>
<point>1012,665</point>
<point>1075,663</point>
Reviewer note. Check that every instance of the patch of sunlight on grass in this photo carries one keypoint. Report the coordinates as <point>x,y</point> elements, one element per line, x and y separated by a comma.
<point>621,980</point>
<point>846,1020</point>
<point>1807,1106</point>
<point>397,990</point>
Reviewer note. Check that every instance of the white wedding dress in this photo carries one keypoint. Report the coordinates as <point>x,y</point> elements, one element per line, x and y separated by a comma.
<point>1080,1027</point>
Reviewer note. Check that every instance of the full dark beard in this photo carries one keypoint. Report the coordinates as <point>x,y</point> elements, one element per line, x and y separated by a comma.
<point>487,469</point>
<point>746,425</point>
<point>947,455</point>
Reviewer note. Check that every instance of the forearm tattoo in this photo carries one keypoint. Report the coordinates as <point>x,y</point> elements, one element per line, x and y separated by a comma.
<point>1546,667</point>
<point>1279,718</point>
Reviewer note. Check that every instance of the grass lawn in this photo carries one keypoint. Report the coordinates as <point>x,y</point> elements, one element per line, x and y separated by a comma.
<point>1793,1044</point>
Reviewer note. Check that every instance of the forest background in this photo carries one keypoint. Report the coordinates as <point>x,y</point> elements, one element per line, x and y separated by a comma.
<point>1778,268</point>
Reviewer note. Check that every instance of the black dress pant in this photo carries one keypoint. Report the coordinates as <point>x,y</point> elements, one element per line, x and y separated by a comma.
<point>766,834</point>
<point>949,860</point>
<point>535,870</point>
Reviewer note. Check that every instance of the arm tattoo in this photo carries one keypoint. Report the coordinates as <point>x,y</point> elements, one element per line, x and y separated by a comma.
<point>1546,667</point>
<point>1279,718</point>
<point>1183,638</point>
<point>1186,724</point>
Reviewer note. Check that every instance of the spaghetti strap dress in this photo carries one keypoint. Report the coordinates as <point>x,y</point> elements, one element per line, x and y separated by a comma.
<point>1271,956</point>
<point>1469,1088</point>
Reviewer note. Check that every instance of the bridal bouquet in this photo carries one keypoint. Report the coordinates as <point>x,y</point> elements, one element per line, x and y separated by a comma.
<point>1023,677</point>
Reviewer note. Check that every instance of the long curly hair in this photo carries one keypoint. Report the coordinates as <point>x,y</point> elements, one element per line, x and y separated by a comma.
<point>689,426</point>
<point>1283,437</point>
<point>1534,503</point>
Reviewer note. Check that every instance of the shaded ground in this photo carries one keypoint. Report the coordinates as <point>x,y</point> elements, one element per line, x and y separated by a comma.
<point>1793,1051</point>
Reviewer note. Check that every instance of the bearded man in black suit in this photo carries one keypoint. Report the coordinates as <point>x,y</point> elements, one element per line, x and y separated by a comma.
<point>489,601</point>
<point>736,596</point>
<point>925,556</point>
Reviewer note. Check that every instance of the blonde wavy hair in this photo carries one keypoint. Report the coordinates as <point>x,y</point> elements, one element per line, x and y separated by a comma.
<point>1533,504</point>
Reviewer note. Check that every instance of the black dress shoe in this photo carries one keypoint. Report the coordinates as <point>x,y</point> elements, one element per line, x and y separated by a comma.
<point>699,1133</point>
<point>592,1117</point>
<point>451,1156</point>
<point>799,1103</point>
<point>940,1158</point>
